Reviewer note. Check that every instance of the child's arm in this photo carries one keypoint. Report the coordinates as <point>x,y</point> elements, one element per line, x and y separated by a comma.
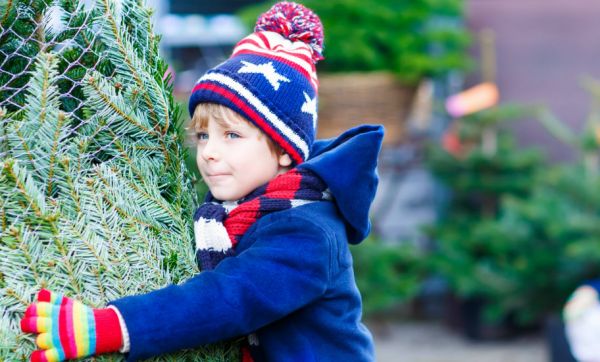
<point>288,266</point>
<point>68,329</point>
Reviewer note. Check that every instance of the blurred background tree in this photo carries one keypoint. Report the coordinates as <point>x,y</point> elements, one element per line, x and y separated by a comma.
<point>411,38</point>
<point>387,275</point>
<point>480,163</point>
<point>553,232</point>
<point>519,233</point>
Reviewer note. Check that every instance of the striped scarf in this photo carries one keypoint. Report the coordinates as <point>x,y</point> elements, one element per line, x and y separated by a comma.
<point>219,226</point>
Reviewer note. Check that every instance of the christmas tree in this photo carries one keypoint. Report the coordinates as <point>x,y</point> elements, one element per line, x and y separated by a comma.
<point>481,164</point>
<point>95,198</point>
<point>551,237</point>
<point>521,234</point>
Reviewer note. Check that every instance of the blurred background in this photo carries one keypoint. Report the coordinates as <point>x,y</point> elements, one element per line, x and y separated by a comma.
<point>487,215</point>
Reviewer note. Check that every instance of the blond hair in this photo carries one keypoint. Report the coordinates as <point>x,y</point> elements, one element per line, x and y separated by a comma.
<point>225,117</point>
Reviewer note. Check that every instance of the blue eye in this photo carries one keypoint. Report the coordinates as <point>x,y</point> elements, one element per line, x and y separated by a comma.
<point>233,135</point>
<point>202,136</point>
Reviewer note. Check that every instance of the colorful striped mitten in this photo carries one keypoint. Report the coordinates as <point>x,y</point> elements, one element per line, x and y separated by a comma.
<point>69,329</point>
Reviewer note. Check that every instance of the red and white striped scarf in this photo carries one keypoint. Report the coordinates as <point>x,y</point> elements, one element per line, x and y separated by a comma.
<point>219,226</point>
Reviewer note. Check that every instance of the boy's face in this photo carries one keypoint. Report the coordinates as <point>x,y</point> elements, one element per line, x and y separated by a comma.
<point>234,158</point>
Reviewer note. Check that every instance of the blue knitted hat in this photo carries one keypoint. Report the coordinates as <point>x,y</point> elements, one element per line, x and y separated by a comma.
<point>271,79</point>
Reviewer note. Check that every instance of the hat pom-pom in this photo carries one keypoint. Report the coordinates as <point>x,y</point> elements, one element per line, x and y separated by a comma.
<point>296,23</point>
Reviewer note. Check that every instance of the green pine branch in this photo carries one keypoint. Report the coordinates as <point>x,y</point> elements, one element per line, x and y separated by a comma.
<point>95,198</point>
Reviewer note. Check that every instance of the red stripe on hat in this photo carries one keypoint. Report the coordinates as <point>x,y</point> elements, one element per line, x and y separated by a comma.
<point>284,187</point>
<point>307,58</point>
<point>262,124</point>
<point>250,39</point>
<point>247,41</point>
<point>262,36</point>
<point>262,50</point>
<point>64,327</point>
<point>296,67</point>
<point>300,56</point>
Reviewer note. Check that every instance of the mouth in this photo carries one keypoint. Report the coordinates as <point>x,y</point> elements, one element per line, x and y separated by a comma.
<point>216,176</point>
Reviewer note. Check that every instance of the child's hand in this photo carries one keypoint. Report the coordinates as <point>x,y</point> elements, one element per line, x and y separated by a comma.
<point>69,329</point>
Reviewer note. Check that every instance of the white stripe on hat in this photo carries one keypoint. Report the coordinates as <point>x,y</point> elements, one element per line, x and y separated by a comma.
<point>278,44</point>
<point>287,132</point>
<point>298,51</point>
<point>260,51</point>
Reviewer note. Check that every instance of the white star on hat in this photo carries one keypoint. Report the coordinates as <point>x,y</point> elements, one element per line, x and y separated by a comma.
<point>267,70</point>
<point>310,107</point>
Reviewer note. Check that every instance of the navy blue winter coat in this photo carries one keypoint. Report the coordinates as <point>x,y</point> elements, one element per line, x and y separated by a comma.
<point>291,282</point>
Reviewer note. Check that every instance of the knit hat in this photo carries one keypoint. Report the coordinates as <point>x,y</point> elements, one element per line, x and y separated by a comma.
<point>270,79</point>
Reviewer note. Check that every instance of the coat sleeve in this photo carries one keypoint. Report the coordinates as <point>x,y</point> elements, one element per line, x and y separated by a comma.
<point>286,268</point>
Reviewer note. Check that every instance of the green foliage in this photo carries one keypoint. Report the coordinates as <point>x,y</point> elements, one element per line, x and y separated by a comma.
<point>387,275</point>
<point>533,237</point>
<point>474,252</point>
<point>479,177</point>
<point>479,180</point>
<point>532,256</point>
<point>95,198</point>
<point>18,23</point>
<point>558,230</point>
<point>413,38</point>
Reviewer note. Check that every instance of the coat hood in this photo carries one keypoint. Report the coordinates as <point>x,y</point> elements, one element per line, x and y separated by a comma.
<point>348,164</point>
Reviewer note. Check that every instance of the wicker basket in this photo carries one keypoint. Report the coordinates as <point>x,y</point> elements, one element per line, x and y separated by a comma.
<point>350,99</point>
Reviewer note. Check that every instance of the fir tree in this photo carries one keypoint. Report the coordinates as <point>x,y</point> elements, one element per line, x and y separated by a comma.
<point>481,164</point>
<point>95,199</point>
<point>546,243</point>
<point>520,233</point>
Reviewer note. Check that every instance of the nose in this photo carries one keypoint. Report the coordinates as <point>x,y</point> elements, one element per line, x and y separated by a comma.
<point>209,150</point>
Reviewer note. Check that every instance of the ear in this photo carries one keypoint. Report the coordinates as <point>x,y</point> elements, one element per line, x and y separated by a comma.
<point>285,160</point>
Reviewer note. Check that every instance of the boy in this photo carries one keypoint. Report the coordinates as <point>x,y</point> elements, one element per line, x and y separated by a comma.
<point>272,237</point>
